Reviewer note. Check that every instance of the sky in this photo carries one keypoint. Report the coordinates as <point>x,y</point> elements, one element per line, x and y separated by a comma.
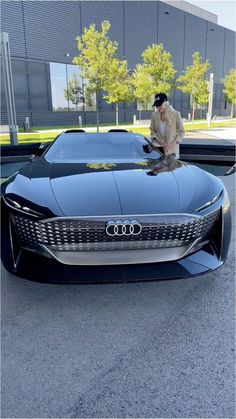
<point>226,10</point>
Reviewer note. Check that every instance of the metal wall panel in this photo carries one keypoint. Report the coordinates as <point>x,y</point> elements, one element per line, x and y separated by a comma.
<point>229,56</point>
<point>54,118</point>
<point>178,100</point>
<point>140,29</point>
<point>215,49</point>
<point>195,38</point>
<point>171,33</point>
<point>31,86</point>
<point>39,87</point>
<point>51,29</point>
<point>71,118</point>
<point>20,118</point>
<point>98,11</point>
<point>12,22</point>
<point>185,102</point>
<point>19,77</point>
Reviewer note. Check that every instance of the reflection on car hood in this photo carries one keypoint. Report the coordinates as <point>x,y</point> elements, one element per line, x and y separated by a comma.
<point>113,188</point>
<point>123,188</point>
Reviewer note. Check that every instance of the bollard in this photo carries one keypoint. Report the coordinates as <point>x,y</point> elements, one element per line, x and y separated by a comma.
<point>26,123</point>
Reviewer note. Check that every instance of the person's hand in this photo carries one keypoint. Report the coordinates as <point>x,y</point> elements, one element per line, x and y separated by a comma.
<point>162,142</point>
<point>147,148</point>
<point>165,146</point>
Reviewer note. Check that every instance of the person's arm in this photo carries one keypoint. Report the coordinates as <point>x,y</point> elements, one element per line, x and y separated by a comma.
<point>180,129</point>
<point>152,127</point>
<point>154,138</point>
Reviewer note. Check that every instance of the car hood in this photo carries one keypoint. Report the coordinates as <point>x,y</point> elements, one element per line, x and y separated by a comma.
<point>117,188</point>
<point>114,189</point>
<point>132,187</point>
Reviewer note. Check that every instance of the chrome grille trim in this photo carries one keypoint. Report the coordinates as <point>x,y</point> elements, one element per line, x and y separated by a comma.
<point>120,257</point>
<point>87,234</point>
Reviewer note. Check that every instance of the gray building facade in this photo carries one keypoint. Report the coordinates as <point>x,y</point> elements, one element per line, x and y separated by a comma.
<point>42,37</point>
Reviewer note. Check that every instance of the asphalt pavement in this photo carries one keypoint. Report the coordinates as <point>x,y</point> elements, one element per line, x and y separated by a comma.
<point>164,349</point>
<point>222,133</point>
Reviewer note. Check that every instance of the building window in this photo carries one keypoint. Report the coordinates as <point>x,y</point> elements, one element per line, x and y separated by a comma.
<point>61,75</point>
<point>76,103</point>
<point>58,85</point>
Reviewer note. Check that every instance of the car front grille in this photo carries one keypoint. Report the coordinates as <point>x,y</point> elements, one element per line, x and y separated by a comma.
<point>89,234</point>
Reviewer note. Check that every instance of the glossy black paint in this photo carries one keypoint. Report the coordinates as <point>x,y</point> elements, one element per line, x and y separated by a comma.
<point>79,189</point>
<point>115,186</point>
<point>41,269</point>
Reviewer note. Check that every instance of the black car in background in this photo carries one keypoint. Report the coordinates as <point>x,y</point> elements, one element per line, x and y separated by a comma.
<point>98,208</point>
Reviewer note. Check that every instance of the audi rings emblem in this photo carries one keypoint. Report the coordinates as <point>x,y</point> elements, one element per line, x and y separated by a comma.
<point>123,228</point>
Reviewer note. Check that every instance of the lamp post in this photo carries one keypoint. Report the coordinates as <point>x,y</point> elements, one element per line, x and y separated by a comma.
<point>210,101</point>
<point>9,89</point>
<point>83,101</point>
<point>67,55</point>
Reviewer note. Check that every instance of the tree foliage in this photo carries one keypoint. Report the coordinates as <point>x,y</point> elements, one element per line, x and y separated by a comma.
<point>118,88</point>
<point>194,82</point>
<point>159,68</point>
<point>74,91</point>
<point>96,54</point>
<point>89,98</point>
<point>142,86</point>
<point>230,88</point>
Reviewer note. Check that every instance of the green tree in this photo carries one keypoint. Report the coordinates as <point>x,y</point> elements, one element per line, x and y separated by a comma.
<point>118,88</point>
<point>194,82</point>
<point>96,54</point>
<point>89,99</point>
<point>142,87</point>
<point>74,92</point>
<point>230,88</point>
<point>203,96</point>
<point>159,68</point>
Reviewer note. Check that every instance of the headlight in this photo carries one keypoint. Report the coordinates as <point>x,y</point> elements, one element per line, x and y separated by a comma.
<point>226,205</point>
<point>213,201</point>
<point>12,203</point>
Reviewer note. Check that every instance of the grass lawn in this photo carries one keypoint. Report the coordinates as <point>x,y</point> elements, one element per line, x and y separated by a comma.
<point>33,137</point>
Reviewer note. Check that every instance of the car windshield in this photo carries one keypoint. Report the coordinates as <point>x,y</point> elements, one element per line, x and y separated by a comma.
<point>83,147</point>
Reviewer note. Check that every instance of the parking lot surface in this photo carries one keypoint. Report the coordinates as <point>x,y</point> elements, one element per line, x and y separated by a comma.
<point>163,349</point>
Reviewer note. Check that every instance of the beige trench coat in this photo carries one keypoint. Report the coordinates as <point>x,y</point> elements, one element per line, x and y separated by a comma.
<point>174,131</point>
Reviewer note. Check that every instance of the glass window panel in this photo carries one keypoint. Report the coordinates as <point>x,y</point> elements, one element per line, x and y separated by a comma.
<point>58,84</point>
<point>90,105</point>
<point>87,105</point>
<point>76,103</point>
<point>83,147</point>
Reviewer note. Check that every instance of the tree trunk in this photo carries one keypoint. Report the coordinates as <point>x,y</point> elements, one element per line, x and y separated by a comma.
<point>117,115</point>
<point>232,110</point>
<point>193,112</point>
<point>97,113</point>
<point>140,114</point>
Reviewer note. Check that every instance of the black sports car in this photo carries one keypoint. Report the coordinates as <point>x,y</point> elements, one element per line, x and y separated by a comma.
<point>103,208</point>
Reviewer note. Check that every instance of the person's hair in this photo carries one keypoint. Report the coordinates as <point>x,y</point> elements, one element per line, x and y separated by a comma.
<point>169,111</point>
